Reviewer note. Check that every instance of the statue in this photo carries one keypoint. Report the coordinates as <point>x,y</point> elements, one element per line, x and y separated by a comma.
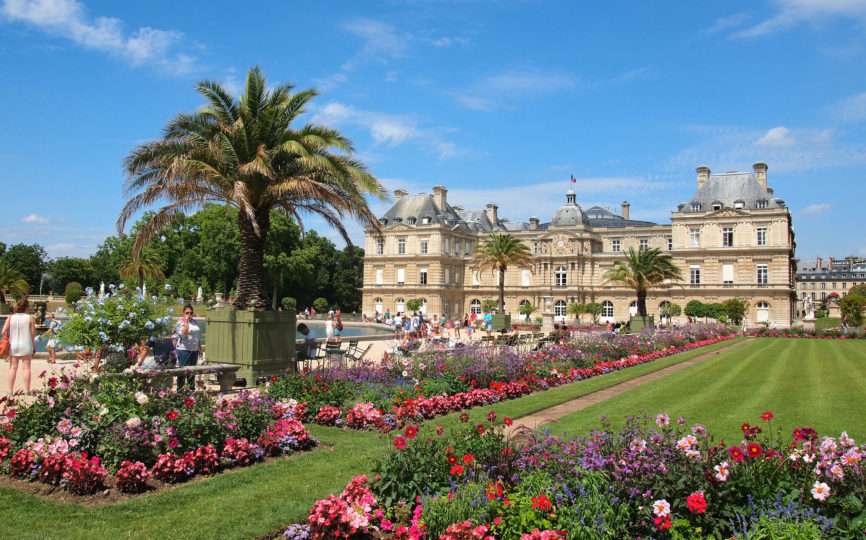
<point>808,309</point>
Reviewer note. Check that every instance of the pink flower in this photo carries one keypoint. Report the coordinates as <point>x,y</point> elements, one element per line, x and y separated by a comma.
<point>820,491</point>
<point>662,419</point>
<point>722,471</point>
<point>399,442</point>
<point>661,508</point>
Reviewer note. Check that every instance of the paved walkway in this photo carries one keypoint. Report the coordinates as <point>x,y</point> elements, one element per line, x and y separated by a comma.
<point>551,414</point>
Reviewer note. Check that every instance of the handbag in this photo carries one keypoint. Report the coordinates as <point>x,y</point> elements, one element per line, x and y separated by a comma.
<point>5,348</point>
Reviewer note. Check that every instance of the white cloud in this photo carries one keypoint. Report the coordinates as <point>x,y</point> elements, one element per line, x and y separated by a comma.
<point>387,129</point>
<point>490,92</point>
<point>381,42</point>
<point>792,13</point>
<point>815,209</point>
<point>853,109</point>
<point>777,137</point>
<point>68,19</point>
<point>35,218</point>
<point>724,23</point>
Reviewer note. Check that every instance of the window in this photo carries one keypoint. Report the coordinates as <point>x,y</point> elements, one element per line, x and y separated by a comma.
<point>560,277</point>
<point>844,285</point>
<point>695,237</point>
<point>401,246</point>
<point>559,308</point>
<point>425,221</point>
<point>422,246</point>
<point>445,308</point>
<point>728,236</point>
<point>422,276</point>
<point>475,307</point>
<point>401,276</point>
<point>410,221</point>
<point>447,246</point>
<point>380,248</point>
<point>377,305</point>
<point>380,276</point>
<point>762,236</point>
<point>457,248</point>
<point>763,313</point>
<point>457,279</point>
<point>727,274</point>
<point>468,247</point>
<point>813,285</point>
<point>813,296</point>
<point>695,274</point>
<point>738,205</point>
<point>761,204</point>
<point>696,207</point>
<point>522,303</point>
<point>670,244</point>
<point>607,309</point>
<point>399,305</point>
<point>717,206</point>
<point>447,276</point>
<point>823,296</point>
<point>476,278</point>
<point>644,244</point>
<point>525,277</point>
<point>763,277</point>
<point>535,248</point>
<point>823,284</point>
<point>614,245</point>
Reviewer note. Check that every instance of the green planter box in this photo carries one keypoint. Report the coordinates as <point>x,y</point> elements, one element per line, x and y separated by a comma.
<point>638,323</point>
<point>261,342</point>
<point>500,322</point>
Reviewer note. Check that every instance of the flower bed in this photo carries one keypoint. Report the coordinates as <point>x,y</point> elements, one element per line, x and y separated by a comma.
<point>653,478</point>
<point>423,387</point>
<point>77,431</point>
<point>801,333</point>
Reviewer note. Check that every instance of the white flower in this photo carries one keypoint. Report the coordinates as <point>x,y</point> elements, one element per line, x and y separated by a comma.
<point>722,471</point>
<point>405,373</point>
<point>661,508</point>
<point>820,491</point>
<point>167,287</point>
<point>133,422</point>
<point>141,398</point>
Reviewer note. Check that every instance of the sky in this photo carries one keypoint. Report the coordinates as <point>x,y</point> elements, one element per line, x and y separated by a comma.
<point>499,101</point>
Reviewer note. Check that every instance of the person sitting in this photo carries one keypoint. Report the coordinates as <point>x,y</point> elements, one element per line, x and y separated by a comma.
<point>401,348</point>
<point>311,342</point>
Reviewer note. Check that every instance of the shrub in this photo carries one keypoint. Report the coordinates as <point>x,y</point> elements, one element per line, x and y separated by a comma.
<point>320,305</point>
<point>132,477</point>
<point>83,475</point>
<point>205,459</point>
<point>329,416</point>
<point>238,452</point>
<point>289,303</point>
<point>285,435</point>
<point>348,516</point>
<point>74,292</point>
<point>172,468</point>
<point>23,464</point>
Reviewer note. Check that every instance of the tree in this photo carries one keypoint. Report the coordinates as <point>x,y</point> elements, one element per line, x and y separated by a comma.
<point>715,311</point>
<point>575,309</point>
<point>489,304</point>
<point>30,260</point>
<point>321,305</point>
<point>858,290</point>
<point>852,307</point>
<point>348,278</point>
<point>643,270</point>
<point>669,310</point>
<point>594,309</point>
<point>497,253</point>
<point>244,152</point>
<point>527,309</point>
<point>146,263</point>
<point>66,269</point>
<point>414,304</point>
<point>11,281</point>
<point>736,309</point>
<point>695,308</point>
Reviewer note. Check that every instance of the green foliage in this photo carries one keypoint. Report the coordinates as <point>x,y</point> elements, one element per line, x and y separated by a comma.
<point>852,307</point>
<point>736,309</point>
<point>11,281</point>
<point>289,303</point>
<point>527,309</point>
<point>30,260</point>
<point>780,528</point>
<point>859,290</point>
<point>321,305</point>
<point>489,304</point>
<point>575,309</point>
<point>594,309</point>
<point>643,270</point>
<point>74,291</point>
<point>316,390</point>
<point>66,269</point>
<point>714,310</point>
<point>413,304</point>
<point>499,252</point>
<point>670,309</point>
<point>696,308</point>
<point>117,321</point>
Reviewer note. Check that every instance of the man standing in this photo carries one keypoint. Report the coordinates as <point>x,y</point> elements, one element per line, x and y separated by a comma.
<point>488,322</point>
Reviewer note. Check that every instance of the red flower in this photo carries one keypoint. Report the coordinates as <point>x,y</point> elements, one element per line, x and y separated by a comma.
<point>745,427</point>
<point>542,503</point>
<point>663,523</point>
<point>452,459</point>
<point>171,415</point>
<point>767,416</point>
<point>754,450</point>
<point>480,428</point>
<point>411,431</point>
<point>189,402</point>
<point>399,442</point>
<point>736,453</point>
<point>467,458</point>
<point>173,442</point>
<point>507,421</point>
<point>273,378</point>
<point>696,502</point>
<point>456,470</point>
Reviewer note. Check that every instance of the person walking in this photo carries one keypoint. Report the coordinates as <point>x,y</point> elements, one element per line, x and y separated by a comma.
<point>21,329</point>
<point>51,335</point>
<point>329,327</point>
<point>188,340</point>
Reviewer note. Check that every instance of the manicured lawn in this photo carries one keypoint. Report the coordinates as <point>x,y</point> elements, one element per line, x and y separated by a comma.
<point>805,382</point>
<point>254,501</point>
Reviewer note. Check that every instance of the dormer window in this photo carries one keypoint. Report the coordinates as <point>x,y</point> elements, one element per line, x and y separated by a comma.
<point>425,220</point>
<point>398,220</point>
<point>762,203</point>
<point>383,221</point>
<point>696,207</point>
<point>411,221</point>
<point>717,206</point>
<point>739,204</point>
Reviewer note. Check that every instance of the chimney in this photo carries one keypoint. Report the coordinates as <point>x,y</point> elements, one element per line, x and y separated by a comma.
<point>439,197</point>
<point>625,206</point>
<point>491,213</point>
<point>399,193</point>
<point>770,191</point>
<point>533,223</point>
<point>761,173</point>
<point>818,262</point>
<point>457,208</point>
<point>703,175</point>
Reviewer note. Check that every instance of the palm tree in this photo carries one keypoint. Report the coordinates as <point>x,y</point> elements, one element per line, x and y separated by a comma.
<point>496,253</point>
<point>11,281</point>
<point>146,264</point>
<point>642,270</point>
<point>244,152</point>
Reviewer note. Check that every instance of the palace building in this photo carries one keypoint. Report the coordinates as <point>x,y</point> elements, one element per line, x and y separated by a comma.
<point>732,239</point>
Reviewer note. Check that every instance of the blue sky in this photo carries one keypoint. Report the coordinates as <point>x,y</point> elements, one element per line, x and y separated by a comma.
<point>500,101</point>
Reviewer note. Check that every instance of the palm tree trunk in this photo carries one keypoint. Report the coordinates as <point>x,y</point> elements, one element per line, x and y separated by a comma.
<point>140,279</point>
<point>252,284</point>
<point>641,303</point>
<point>501,290</point>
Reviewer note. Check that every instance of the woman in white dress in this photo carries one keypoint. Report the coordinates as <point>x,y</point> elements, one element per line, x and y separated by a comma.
<point>21,329</point>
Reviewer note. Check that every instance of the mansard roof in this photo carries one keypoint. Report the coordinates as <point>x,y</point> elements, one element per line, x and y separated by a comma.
<point>730,187</point>
<point>602,217</point>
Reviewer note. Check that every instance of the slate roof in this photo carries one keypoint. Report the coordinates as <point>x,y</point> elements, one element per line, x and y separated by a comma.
<point>602,217</point>
<point>728,188</point>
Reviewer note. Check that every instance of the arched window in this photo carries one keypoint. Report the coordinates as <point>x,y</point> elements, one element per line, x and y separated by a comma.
<point>607,309</point>
<point>524,302</point>
<point>475,307</point>
<point>560,277</point>
<point>632,308</point>
<point>559,309</point>
<point>399,305</point>
<point>377,305</point>
<point>423,308</point>
<point>763,313</point>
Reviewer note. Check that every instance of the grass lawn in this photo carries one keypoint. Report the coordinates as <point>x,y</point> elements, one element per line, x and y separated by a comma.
<point>805,382</point>
<point>257,500</point>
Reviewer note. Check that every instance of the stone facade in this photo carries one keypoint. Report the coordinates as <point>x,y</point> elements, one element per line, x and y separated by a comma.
<point>733,239</point>
<point>820,278</point>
